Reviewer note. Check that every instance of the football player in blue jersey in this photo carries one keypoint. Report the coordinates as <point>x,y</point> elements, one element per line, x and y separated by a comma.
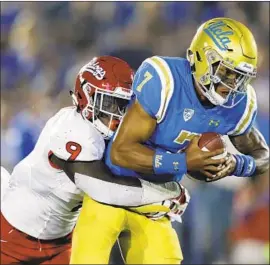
<point>176,100</point>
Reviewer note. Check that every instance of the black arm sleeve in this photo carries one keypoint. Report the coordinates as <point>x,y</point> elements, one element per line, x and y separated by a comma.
<point>96,169</point>
<point>96,180</point>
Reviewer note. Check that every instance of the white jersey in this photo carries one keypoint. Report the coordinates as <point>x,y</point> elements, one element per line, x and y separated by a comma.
<point>41,200</point>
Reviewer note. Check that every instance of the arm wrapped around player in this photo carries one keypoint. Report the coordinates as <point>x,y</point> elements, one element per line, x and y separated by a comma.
<point>173,208</point>
<point>96,180</point>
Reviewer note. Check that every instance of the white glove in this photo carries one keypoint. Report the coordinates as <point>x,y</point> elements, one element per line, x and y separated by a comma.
<point>173,208</point>
<point>179,205</point>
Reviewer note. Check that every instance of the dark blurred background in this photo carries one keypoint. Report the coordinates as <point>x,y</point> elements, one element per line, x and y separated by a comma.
<point>44,44</point>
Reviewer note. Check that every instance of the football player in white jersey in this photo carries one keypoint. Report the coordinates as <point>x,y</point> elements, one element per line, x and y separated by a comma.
<point>41,204</point>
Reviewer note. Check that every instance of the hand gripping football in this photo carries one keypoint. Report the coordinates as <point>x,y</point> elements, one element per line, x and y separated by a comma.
<point>209,141</point>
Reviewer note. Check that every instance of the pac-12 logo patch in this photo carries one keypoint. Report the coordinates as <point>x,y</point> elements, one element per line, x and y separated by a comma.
<point>187,114</point>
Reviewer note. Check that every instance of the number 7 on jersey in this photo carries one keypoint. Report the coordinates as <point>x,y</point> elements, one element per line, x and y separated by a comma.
<point>147,77</point>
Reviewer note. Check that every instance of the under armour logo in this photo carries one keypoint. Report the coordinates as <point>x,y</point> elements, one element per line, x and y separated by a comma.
<point>250,166</point>
<point>175,166</point>
<point>214,123</point>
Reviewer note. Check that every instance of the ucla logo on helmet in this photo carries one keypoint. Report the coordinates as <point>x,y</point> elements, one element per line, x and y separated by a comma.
<point>219,35</point>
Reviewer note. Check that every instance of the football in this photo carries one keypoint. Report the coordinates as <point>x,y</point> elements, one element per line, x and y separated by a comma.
<point>211,141</point>
<point>208,142</point>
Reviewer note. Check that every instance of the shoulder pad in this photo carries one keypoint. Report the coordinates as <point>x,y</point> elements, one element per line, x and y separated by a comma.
<point>248,112</point>
<point>73,138</point>
<point>154,85</point>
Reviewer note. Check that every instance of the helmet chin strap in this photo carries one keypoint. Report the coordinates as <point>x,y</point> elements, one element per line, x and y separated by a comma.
<point>99,125</point>
<point>103,129</point>
<point>215,98</point>
<point>74,99</point>
<point>212,95</point>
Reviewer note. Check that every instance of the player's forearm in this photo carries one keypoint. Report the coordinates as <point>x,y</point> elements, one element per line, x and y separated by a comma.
<point>128,149</point>
<point>147,162</point>
<point>135,156</point>
<point>261,156</point>
<point>253,144</point>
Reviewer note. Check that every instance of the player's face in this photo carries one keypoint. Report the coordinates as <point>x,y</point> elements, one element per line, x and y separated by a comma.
<point>228,79</point>
<point>222,90</point>
<point>111,109</point>
<point>105,119</point>
<point>112,124</point>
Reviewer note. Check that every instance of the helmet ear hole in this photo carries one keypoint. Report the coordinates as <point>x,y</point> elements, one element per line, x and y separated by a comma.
<point>198,56</point>
<point>190,57</point>
<point>79,95</point>
<point>83,83</point>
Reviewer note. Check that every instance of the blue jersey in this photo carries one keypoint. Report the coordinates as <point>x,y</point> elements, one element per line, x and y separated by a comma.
<point>164,88</point>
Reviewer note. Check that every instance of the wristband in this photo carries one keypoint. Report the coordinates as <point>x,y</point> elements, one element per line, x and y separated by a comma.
<point>245,166</point>
<point>238,166</point>
<point>249,166</point>
<point>168,163</point>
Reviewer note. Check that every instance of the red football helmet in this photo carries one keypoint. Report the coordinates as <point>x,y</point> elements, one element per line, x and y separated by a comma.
<point>102,92</point>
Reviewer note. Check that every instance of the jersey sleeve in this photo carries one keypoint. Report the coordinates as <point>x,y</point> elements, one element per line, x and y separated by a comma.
<point>73,140</point>
<point>248,113</point>
<point>153,86</point>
